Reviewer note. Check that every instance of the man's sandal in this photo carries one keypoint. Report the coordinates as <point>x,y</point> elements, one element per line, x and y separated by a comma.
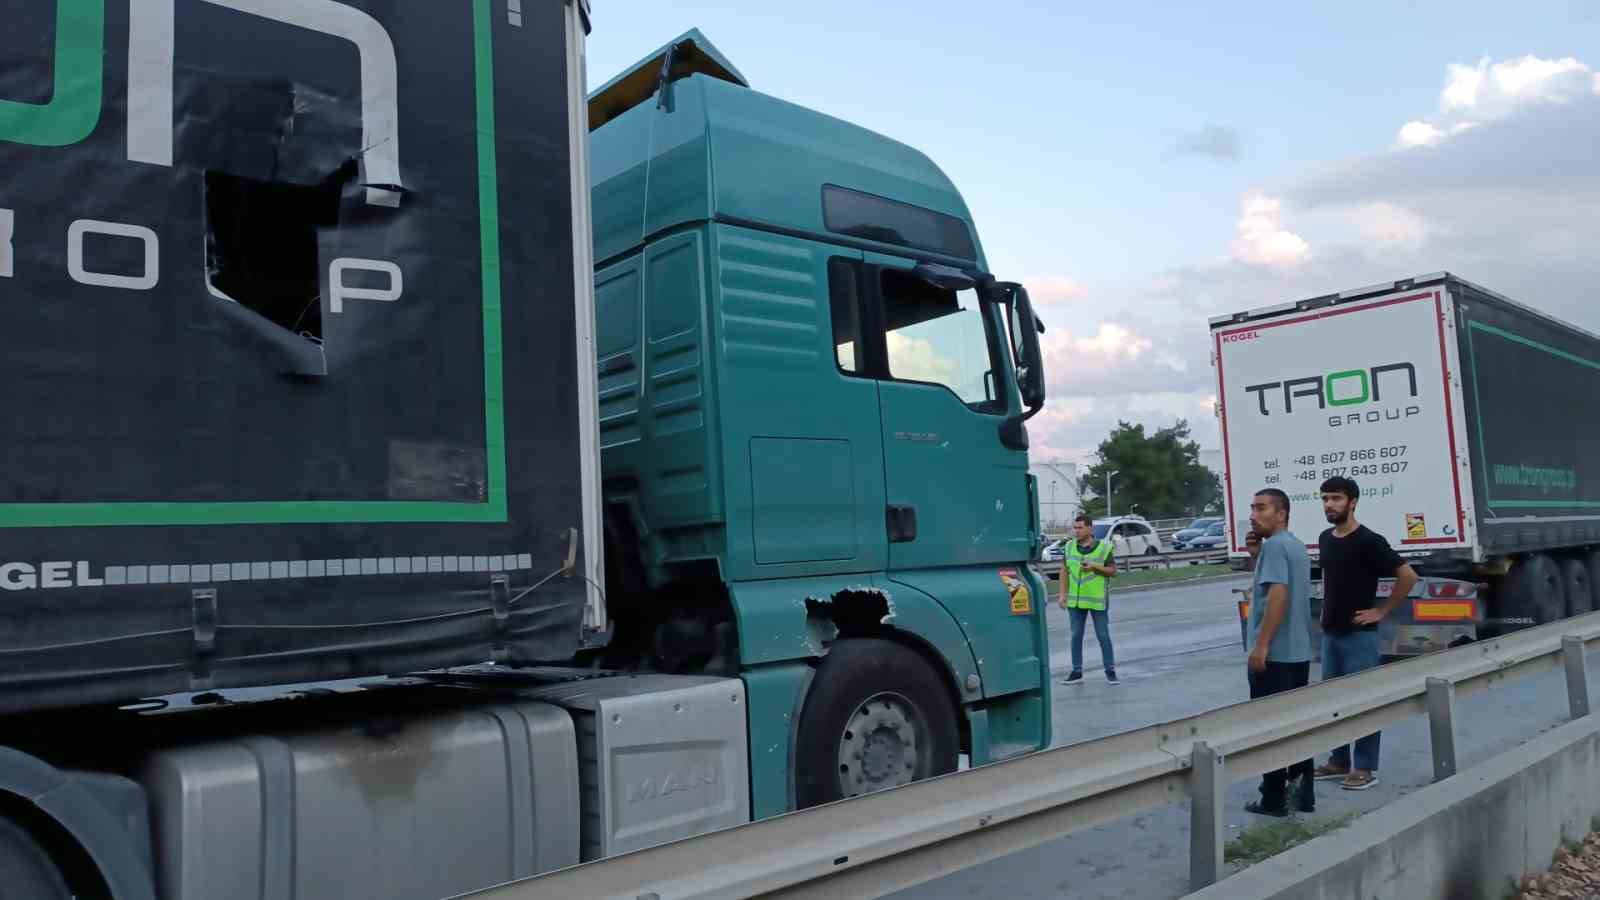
<point>1359,781</point>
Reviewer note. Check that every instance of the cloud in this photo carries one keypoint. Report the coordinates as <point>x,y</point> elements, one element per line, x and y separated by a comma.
<point>1420,134</point>
<point>1262,238</point>
<point>1053,291</point>
<point>1424,134</point>
<point>1111,341</point>
<point>1216,141</point>
<point>1487,91</point>
<point>1389,223</point>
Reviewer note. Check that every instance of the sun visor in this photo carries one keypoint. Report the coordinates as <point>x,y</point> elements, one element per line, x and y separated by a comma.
<point>691,54</point>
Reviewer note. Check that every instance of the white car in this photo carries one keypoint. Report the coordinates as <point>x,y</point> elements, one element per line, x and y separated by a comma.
<point>1130,536</point>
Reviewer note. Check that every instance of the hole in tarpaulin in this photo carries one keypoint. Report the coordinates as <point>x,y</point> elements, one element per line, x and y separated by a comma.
<point>261,246</point>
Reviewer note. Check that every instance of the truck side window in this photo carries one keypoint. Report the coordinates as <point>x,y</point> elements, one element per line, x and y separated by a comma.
<point>844,296</point>
<point>938,337</point>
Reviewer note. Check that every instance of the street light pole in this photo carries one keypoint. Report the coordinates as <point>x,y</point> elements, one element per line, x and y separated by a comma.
<point>1054,510</point>
<point>1108,491</point>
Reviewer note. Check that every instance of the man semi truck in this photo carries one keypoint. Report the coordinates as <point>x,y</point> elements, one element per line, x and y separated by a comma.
<point>1464,417</point>
<point>602,470</point>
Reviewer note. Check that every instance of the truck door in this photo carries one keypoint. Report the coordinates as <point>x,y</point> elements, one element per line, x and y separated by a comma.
<point>957,496</point>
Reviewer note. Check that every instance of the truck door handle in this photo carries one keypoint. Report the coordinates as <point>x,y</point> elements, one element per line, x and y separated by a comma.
<point>902,524</point>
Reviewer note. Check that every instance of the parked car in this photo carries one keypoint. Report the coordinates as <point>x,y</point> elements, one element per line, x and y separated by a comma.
<point>1130,535</point>
<point>1212,539</point>
<point>1181,538</point>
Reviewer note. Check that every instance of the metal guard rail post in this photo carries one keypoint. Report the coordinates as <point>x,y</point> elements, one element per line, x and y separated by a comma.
<point>884,842</point>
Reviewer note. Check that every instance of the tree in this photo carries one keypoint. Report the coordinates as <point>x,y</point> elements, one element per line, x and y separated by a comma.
<point>1158,475</point>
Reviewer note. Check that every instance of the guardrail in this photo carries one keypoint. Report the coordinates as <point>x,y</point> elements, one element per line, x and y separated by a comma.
<point>888,841</point>
<point>1052,570</point>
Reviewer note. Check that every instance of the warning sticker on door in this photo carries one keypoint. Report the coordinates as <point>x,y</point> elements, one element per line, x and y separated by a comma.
<point>1416,526</point>
<point>1017,587</point>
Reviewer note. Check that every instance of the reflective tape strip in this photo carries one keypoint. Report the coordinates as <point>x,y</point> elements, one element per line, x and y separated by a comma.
<point>300,569</point>
<point>1443,610</point>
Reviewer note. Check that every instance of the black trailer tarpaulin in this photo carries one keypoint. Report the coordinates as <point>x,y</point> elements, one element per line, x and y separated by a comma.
<point>1528,382</point>
<point>287,304</point>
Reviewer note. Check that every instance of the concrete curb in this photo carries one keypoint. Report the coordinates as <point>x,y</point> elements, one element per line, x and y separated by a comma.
<point>1469,836</point>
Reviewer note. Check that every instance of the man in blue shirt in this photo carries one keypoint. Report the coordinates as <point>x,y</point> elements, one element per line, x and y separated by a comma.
<point>1279,636</point>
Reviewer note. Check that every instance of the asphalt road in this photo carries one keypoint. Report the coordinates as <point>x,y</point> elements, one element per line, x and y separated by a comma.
<point>1178,653</point>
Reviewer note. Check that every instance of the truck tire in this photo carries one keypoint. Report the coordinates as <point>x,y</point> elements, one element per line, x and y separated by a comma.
<point>877,716</point>
<point>1576,586</point>
<point>26,870</point>
<point>1533,590</point>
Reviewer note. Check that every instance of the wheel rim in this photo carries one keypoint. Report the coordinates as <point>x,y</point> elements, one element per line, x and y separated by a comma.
<point>881,746</point>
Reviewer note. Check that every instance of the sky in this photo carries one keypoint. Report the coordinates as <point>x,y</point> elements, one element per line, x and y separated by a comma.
<point>1141,167</point>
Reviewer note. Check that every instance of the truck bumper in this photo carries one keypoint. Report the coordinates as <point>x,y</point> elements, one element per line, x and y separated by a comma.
<point>1439,614</point>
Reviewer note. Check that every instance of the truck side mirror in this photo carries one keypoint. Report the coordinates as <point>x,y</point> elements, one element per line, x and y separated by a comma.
<point>1025,331</point>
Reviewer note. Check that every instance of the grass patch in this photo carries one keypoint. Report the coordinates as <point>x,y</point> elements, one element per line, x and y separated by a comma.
<point>1261,842</point>
<point>1127,578</point>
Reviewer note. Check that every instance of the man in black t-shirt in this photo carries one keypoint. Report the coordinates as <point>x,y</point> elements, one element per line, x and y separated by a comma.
<point>1353,559</point>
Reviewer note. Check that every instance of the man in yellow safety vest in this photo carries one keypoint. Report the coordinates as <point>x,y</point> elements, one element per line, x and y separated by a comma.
<point>1085,568</point>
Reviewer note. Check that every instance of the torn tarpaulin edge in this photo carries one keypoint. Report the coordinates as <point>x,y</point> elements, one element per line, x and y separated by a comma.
<point>294,354</point>
<point>150,138</point>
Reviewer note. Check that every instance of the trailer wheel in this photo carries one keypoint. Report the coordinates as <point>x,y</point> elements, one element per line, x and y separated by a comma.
<point>878,716</point>
<point>1534,590</point>
<point>26,870</point>
<point>1591,561</point>
<point>1576,586</point>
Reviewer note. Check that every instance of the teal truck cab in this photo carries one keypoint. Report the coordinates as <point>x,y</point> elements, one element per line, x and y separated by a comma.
<point>815,472</point>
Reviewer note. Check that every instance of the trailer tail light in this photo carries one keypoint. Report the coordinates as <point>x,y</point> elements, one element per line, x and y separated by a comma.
<point>1444,610</point>
<point>1451,590</point>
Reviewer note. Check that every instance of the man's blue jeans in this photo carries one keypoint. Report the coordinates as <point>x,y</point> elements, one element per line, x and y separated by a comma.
<point>1347,654</point>
<point>1102,633</point>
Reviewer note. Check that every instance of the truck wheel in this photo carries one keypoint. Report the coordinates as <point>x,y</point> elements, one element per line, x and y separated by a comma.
<point>26,870</point>
<point>1576,586</point>
<point>877,717</point>
<point>1533,591</point>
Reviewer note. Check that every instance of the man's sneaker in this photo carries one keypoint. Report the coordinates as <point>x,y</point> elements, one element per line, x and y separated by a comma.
<point>1306,795</point>
<point>1260,808</point>
<point>1329,773</point>
<point>1074,678</point>
<point>1111,677</point>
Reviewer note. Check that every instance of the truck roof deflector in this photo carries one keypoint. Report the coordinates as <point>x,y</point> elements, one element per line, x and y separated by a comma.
<point>691,54</point>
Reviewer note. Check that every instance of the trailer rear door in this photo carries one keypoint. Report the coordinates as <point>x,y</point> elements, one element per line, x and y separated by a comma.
<point>1362,389</point>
